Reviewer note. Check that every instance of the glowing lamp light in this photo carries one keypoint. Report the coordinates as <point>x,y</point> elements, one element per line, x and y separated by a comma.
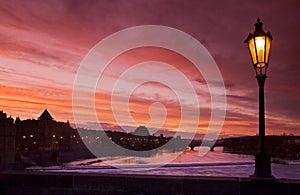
<point>259,44</point>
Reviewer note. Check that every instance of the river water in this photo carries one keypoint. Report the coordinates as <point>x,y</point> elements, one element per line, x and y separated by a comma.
<point>188,163</point>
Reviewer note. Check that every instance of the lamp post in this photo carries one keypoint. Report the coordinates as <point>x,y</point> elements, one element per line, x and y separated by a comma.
<point>259,44</point>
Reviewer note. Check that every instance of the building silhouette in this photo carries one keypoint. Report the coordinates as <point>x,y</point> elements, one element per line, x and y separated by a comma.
<point>44,134</point>
<point>7,141</point>
<point>141,131</point>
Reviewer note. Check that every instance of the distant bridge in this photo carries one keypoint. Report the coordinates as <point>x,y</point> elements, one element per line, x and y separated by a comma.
<point>210,144</point>
<point>277,146</point>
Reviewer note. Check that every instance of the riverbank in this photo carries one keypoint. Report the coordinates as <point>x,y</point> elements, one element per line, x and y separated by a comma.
<point>27,182</point>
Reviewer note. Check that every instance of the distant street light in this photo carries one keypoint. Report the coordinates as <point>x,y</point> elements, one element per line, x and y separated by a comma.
<point>259,44</point>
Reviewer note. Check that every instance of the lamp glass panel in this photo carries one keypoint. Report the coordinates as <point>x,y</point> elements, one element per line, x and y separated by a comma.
<point>268,46</point>
<point>252,50</point>
<point>260,49</point>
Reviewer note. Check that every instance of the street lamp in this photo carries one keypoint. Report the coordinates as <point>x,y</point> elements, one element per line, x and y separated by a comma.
<point>259,44</point>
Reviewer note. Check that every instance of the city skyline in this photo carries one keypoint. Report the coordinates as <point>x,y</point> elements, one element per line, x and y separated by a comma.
<point>43,44</point>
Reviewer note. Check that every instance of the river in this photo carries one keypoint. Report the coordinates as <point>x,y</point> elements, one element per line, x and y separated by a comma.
<point>188,163</point>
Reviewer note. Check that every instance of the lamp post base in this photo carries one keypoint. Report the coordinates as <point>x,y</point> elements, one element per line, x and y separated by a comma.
<point>262,166</point>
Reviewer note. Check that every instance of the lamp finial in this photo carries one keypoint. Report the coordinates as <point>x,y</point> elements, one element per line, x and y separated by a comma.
<point>258,27</point>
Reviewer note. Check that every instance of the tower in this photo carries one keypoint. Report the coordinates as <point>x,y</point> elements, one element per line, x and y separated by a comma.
<point>45,122</point>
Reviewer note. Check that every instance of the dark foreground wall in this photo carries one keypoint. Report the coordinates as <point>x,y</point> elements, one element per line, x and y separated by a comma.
<point>70,183</point>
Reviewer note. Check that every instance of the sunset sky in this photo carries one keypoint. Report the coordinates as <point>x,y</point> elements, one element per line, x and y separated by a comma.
<point>42,44</point>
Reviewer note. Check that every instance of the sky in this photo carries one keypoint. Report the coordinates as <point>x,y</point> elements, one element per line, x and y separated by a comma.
<point>43,43</point>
